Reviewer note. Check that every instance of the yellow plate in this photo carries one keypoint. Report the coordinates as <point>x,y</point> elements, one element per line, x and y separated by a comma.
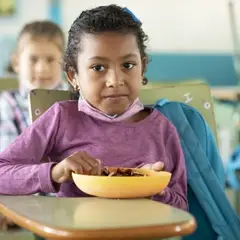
<point>121,186</point>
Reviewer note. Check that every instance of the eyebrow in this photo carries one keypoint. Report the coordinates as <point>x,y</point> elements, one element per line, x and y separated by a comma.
<point>40,55</point>
<point>129,55</point>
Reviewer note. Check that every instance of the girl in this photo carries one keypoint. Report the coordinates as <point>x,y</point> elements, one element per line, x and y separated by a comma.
<point>36,61</point>
<point>105,61</point>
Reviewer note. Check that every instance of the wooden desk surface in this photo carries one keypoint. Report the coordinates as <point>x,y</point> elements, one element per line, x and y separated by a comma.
<point>96,218</point>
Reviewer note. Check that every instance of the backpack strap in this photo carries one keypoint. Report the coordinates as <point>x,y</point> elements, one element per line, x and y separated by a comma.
<point>201,177</point>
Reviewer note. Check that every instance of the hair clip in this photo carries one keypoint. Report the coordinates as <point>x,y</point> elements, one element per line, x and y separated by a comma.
<point>132,15</point>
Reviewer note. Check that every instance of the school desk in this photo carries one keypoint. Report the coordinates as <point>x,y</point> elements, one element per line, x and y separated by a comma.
<point>96,218</point>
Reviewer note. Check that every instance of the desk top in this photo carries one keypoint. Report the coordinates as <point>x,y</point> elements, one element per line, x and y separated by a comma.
<point>96,218</point>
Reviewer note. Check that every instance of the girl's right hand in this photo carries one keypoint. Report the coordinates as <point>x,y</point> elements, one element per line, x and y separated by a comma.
<point>78,162</point>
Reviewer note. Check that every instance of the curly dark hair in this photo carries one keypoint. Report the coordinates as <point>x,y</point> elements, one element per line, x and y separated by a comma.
<point>111,18</point>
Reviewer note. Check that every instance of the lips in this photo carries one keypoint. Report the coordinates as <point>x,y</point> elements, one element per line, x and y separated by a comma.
<point>115,96</point>
<point>43,79</point>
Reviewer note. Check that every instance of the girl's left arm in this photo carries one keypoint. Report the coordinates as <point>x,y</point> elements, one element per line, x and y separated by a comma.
<point>176,192</point>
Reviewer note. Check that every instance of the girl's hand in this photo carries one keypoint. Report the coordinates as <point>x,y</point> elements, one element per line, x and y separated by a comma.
<point>158,166</point>
<point>78,162</point>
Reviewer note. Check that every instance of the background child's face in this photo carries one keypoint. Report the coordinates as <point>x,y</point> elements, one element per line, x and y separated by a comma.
<point>110,71</point>
<point>38,63</point>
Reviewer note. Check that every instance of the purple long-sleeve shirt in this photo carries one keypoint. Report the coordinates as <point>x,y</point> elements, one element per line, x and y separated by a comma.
<point>63,130</point>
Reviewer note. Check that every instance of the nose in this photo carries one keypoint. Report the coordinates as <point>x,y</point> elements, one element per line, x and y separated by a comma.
<point>115,78</point>
<point>41,66</point>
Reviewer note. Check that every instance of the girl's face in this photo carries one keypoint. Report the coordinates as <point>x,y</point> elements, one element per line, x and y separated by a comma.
<point>38,62</point>
<point>110,71</point>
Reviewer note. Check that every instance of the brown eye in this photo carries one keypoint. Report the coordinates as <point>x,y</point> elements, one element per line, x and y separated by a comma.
<point>98,68</point>
<point>33,59</point>
<point>128,65</point>
<point>50,59</point>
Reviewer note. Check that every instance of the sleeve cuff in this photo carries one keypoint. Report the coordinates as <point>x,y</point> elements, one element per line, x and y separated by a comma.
<point>44,176</point>
<point>164,198</point>
<point>172,199</point>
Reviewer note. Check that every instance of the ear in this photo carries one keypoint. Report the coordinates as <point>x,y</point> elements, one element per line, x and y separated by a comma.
<point>144,65</point>
<point>15,62</point>
<point>71,77</point>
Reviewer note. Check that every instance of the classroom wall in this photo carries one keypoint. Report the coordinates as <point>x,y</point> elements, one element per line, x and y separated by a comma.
<point>187,38</point>
<point>27,10</point>
<point>173,26</point>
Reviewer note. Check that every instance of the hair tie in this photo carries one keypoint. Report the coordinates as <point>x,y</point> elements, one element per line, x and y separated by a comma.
<point>132,15</point>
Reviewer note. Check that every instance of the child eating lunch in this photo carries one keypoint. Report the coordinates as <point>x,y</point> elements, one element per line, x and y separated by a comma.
<point>105,62</point>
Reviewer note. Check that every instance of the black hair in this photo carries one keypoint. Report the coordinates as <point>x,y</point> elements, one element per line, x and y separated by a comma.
<point>111,18</point>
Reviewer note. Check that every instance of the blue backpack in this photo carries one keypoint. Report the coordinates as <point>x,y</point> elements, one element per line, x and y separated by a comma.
<point>207,200</point>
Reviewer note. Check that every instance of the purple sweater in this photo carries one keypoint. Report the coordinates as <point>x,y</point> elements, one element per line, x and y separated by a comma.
<point>63,130</point>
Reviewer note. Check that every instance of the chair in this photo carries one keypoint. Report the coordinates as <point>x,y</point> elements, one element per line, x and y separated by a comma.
<point>8,84</point>
<point>197,94</point>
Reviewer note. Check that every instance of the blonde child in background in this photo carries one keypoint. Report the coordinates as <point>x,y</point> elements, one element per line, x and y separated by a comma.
<point>105,61</point>
<point>37,63</point>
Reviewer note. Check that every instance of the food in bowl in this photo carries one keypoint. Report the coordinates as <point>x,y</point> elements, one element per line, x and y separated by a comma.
<point>121,186</point>
<point>119,172</point>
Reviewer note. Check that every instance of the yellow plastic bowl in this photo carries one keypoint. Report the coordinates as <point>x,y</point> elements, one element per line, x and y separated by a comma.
<point>122,186</point>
